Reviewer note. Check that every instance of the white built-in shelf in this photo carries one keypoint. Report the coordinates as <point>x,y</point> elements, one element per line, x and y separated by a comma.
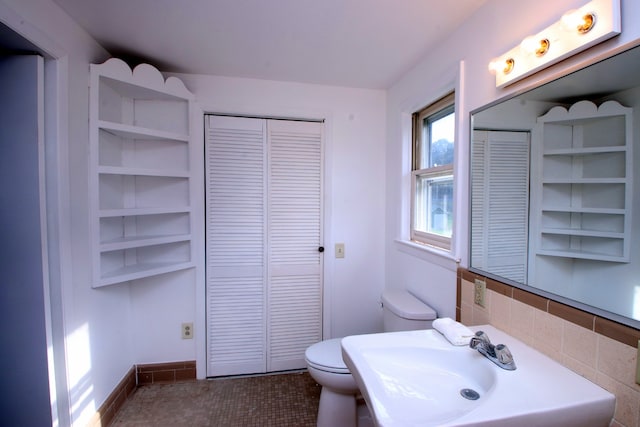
<point>579,254</point>
<point>584,181</point>
<point>572,209</point>
<point>140,173</point>
<point>119,170</point>
<point>141,270</point>
<point>584,151</point>
<point>582,232</point>
<point>141,241</point>
<point>131,212</point>
<point>136,132</point>
<point>586,166</point>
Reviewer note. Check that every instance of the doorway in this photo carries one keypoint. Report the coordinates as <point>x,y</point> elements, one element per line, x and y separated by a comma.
<point>32,320</point>
<point>21,268</point>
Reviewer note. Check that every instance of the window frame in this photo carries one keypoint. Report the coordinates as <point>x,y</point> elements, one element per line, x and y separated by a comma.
<point>436,110</point>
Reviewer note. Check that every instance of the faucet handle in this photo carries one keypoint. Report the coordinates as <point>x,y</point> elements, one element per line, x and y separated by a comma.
<point>479,338</point>
<point>503,354</point>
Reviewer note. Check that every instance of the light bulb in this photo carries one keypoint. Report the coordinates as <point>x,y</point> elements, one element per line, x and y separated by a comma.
<point>494,65</point>
<point>499,65</point>
<point>571,19</point>
<point>576,20</point>
<point>535,45</point>
<point>509,63</point>
<point>529,44</point>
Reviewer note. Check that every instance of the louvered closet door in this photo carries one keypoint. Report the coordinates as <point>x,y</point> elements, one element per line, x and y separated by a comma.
<point>264,228</point>
<point>295,234</point>
<point>236,261</point>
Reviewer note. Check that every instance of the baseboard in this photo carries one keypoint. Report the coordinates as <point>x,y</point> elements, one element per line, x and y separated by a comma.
<point>108,410</point>
<point>166,372</point>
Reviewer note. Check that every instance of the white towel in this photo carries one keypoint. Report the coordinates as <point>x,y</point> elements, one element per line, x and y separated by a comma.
<point>455,332</point>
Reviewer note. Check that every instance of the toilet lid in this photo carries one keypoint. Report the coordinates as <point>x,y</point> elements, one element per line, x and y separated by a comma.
<point>327,356</point>
<point>405,305</point>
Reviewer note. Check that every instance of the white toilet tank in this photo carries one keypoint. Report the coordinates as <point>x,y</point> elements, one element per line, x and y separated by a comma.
<point>402,311</point>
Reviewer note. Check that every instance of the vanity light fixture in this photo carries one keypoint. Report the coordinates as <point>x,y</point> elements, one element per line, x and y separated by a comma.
<point>576,31</point>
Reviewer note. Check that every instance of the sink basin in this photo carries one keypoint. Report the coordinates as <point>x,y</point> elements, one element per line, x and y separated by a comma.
<point>416,378</point>
<point>434,379</point>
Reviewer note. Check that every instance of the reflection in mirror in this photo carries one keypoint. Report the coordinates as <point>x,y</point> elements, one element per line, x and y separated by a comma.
<point>552,189</point>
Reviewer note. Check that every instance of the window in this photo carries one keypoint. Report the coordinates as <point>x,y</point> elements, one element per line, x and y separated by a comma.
<point>432,174</point>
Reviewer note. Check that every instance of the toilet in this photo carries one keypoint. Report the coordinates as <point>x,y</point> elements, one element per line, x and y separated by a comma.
<point>401,312</point>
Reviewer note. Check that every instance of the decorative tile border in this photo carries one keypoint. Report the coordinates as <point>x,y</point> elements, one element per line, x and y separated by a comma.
<point>616,331</point>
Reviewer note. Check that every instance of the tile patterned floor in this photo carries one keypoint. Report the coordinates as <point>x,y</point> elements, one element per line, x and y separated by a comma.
<point>267,401</point>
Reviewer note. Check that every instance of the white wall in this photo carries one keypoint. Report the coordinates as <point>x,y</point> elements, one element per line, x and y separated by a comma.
<point>460,62</point>
<point>354,181</point>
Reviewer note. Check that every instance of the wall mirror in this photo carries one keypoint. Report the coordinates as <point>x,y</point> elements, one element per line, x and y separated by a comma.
<point>553,173</point>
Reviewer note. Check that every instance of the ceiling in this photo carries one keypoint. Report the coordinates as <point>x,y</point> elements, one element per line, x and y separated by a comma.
<point>353,43</point>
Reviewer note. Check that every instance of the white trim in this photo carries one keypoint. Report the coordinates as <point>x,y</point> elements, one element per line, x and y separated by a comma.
<point>461,237</point>
<point>59,206</point>
<point>198,215</point>
<point>428,253</point>
<point>44,236</point>
<point>327,228</point>
<point>59,229</point>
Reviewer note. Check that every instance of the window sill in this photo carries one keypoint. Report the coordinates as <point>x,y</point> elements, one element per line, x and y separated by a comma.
<point>428,253</point>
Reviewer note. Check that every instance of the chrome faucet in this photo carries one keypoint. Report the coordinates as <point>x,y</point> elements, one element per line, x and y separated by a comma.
<point>498,354</point>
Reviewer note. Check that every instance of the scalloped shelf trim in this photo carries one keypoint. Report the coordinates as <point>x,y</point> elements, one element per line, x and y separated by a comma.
<point>144,75</point>
<point>582,110</point>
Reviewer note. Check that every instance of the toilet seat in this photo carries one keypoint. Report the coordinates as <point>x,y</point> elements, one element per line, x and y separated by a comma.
<point>327,356</point>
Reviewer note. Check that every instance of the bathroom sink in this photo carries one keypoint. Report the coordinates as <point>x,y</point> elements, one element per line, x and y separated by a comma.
<point>416,378</point>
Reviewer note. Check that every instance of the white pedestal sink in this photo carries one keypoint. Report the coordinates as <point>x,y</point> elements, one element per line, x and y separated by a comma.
<point>417,378</point>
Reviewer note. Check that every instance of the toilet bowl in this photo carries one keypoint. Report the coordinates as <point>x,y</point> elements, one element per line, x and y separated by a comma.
<point>337,399</point>
<point>401,311</point>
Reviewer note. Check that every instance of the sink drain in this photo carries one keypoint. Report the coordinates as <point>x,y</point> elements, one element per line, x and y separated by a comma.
<point>470,394</point>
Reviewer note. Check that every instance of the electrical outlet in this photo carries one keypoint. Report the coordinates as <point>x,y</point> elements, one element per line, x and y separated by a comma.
<point>479,292</point>
<point>339,250</point>
<point>187,331</point>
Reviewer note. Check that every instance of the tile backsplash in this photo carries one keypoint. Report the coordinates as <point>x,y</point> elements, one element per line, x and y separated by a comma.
<point>599,349</point>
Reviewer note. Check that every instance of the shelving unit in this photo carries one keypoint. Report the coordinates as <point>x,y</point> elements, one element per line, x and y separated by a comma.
<point>586,167</point>
<point>140,173</point>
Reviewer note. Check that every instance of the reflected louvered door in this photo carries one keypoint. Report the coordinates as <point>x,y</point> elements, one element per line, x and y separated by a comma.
<point>508,203</point>
<point>295,234</point>
<point>236,261</point>
<point>478,200</point>
<point>264,280</point>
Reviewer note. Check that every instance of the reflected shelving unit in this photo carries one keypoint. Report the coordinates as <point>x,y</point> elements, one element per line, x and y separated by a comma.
<point>585,209</point>
<point>140,173</point>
